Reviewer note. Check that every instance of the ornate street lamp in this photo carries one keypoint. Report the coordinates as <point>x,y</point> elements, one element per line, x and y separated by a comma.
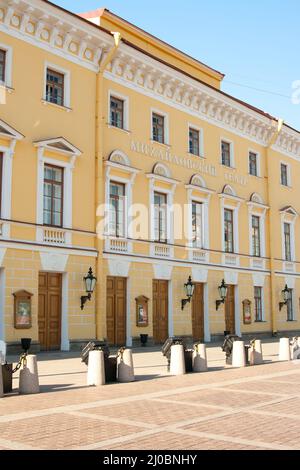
<point>90,284</point>
<point>189,288</point>
<point>286,295</point>
<point>223,288</point>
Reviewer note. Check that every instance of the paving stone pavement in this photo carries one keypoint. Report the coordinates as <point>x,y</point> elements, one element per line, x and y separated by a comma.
<point>254,408</point>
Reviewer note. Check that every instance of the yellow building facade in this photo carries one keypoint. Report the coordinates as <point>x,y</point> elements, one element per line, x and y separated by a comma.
<point>121,153</point>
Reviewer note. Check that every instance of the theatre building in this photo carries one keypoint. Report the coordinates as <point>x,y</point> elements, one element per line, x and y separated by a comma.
<point>122,154</point>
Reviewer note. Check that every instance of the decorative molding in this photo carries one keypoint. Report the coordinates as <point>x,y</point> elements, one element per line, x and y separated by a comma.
<point>53,262</point>
<point>54,30</point>
<point>163,272</point>
<point>231,278</point>
<point>199,275</point>
<point>2,254</point>
<point>119,268</point>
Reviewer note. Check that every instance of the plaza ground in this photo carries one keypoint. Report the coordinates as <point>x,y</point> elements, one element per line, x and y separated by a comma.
<point>251,408</point>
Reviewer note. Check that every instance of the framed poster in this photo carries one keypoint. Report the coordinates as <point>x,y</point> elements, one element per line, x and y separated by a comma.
<point>247,312</point>
<point>142,319</point>
<point>22,310</point>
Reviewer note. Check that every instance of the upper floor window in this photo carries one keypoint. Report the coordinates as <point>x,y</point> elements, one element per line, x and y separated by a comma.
<point>226,153</point>
<point>2,65</point>
<point>197,214</point>
<point>253,164</point>
<point>160,217</point>
<point>228,231</point>
<point>55,87</point>
<point>116,112</point>
<point>158,128</point>
<point>284,174</point>
<point>258,306</point>
<point>194,141</point>
<point>117,210</point>
<point>287,242</point>
<point>290,306</point>
<point>53,195</point>
<point>256,245</point>
<point>1,172</point>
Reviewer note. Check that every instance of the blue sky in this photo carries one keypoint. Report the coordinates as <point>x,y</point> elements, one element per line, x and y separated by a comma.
<point>255,43</point>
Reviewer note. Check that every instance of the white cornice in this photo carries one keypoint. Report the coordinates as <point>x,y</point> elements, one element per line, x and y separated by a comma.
<point>62,33</point>
<point>54,30</point>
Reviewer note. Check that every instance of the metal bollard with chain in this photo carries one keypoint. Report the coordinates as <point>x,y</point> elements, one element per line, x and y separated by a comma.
<point>22,361</point>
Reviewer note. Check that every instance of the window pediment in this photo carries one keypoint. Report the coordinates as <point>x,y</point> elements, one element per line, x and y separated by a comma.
<point>9,132</point>
<point>59,145</point>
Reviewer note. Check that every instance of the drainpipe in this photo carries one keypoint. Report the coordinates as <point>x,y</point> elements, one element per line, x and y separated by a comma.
<point>99,152</point>
<point>272,218</point>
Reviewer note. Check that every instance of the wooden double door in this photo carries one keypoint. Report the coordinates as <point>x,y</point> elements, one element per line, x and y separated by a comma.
<point>160,311</point>
<point>116,310</point>
<point>49,314</point>
<point>230,310</point>
<point>198,313</point>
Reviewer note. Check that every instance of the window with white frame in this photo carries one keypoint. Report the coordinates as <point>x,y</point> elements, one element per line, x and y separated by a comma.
<point>258,304</point>
<point>2,65</point>
<point>253,164</point>
<point>57,85</point>
<point>53,195</point>
<point>285,174</point>
<point>160,218</point>
<point>287,230</point>
<point>194,141</point>
<point>117,210</point>
<point>116,112</point>
<point>226,153</point>
<point>229,230</point>
<point>197,224</point>
<point>256,236</point>
<point>290,306</point>
<point>6,53</point>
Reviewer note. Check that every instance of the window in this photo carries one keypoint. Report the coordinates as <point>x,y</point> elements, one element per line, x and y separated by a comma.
<point>197,224</point>
<point>117,210</point>
<point>228,231</point>
<point>53,196</point>
<point>2,65</point>
<point>1,172</point>
<point>256,246</point>
<point>253,167</point>
<point>116,112</point>
<point>290,308</point>
<point>158,128</point>
<point>258,304</point>
<point>194,142</point>
<point>226,153</point>
<point>284,175</point>
<point>160,217</point>
<point>55,87</point>
<point>287,242</point>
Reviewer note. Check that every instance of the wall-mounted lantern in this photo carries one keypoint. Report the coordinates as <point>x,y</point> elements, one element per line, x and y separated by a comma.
<point>223,288</point>
<point>286,295</point>
<point>90,284</point>
<point>189,288</point>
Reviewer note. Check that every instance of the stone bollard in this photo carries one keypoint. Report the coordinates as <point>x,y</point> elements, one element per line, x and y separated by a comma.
<point>256,354</point>
<point>96,369</point>
<point>125,368</point>
<point>1,383</point>
<point>284,349</point>
<point>200,358</point>
<point>177,363</point>
<point>238,354</point>
<point>29,377</point>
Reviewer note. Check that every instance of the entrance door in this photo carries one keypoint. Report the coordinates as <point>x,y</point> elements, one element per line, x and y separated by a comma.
<point>198,313</point>
<point>116,311</point>
<point>230,310</point>
<point>49,315</point>
<point>160,311</point>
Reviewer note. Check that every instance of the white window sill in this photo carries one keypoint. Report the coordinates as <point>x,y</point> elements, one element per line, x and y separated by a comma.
<point>196,156</point>
<point>6,87</point>
<point>126,131</point>
<point>160,143</point>
<point>57,106</point>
